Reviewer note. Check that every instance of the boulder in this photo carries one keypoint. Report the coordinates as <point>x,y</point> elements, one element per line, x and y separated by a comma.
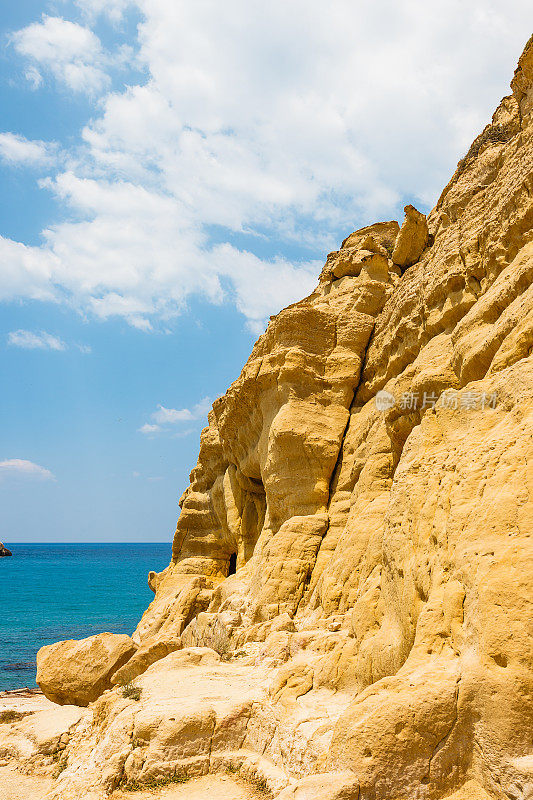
<point>4,551</point>
<point>77,671</point>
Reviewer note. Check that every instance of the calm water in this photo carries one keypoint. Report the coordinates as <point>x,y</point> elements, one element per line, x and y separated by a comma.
<point>50,592</point>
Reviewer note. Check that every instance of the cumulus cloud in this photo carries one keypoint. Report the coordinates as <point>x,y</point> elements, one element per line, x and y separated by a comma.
<point>164,417</point>
<point>35,341</point>
<point>71,53</point>
<point>18,150</point>
<point>20,468</point>
<point>260,138</point>
<point>27,272</point>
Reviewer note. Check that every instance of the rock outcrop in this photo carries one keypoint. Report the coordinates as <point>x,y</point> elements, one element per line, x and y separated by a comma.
<point>4,551</point>
<point>374,640</point>
<point>412,239</point>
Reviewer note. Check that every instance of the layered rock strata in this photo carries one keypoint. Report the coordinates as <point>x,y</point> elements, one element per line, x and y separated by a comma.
<point>349,601</point>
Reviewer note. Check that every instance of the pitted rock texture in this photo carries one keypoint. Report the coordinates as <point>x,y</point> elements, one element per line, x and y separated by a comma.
<point>379,618</point>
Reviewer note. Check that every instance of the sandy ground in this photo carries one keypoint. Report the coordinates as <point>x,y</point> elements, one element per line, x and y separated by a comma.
<point>15,786</point>
<point>25,700</point>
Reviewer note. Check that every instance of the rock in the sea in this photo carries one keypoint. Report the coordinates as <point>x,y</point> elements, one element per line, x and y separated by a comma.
<point>77,671</point>
<point>4,551</point>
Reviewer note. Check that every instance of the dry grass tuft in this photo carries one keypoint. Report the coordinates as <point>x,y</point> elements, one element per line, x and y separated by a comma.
<point>132,692</point>
<point>151,783</point>
<point>492,134</point>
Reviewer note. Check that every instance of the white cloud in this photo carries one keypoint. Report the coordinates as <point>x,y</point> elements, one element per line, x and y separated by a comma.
<point>35,341</point>
<point>29,340</point>
<point>19,468</point>
<point>27,272</point>
<point>170,416</point>
<point>148,429</point>
<point>173,416</point>
<point>34,77</point>
<point>16,149</point>
<point>257,131</point>
<point>70,52</point>
<point>114,9</point>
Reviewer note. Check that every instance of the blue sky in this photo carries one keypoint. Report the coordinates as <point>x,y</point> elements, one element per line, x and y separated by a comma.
<point>172,174</point>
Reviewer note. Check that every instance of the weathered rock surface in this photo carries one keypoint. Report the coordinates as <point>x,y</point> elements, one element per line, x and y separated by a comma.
<point>77,671</point>
<point>4,551</point>
<point>20,787</point>
<point>327,786</point>
<point>375,640</point>
<point>34,731</point>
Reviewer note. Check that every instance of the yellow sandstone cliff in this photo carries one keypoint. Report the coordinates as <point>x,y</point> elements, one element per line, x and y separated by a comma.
<point>367,482</point>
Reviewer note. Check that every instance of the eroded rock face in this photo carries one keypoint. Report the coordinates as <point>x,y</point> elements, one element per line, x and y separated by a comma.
<point>378,622</point>
<point>35,732</point>
<point>77,671</point>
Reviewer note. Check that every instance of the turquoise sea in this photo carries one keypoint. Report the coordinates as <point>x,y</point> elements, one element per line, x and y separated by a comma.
<point>50,592</point>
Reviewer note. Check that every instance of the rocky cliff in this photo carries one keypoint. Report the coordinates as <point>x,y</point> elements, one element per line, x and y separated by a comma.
<point>347,612</point>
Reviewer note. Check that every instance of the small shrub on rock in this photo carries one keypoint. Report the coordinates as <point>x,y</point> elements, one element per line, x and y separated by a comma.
<point>131,692</point>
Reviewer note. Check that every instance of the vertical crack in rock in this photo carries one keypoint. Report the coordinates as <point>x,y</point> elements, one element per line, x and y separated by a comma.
<point>441,743</point>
